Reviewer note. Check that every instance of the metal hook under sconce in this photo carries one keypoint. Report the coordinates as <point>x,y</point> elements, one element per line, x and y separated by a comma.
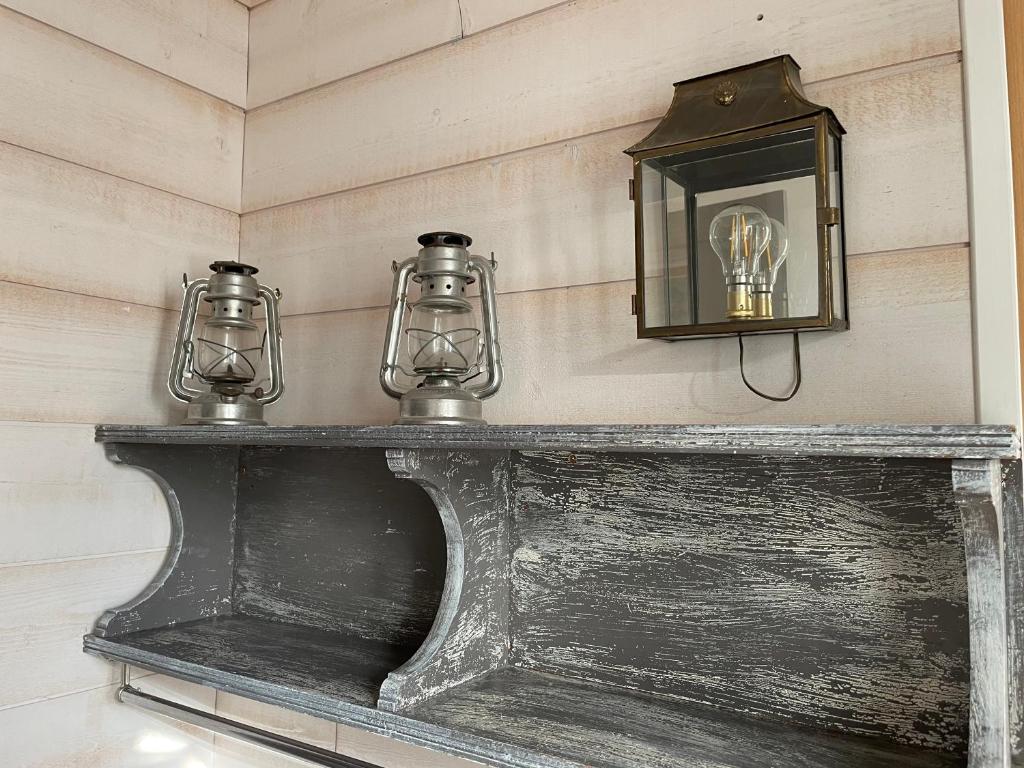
<point>258,737</point>
<point>796,364</point>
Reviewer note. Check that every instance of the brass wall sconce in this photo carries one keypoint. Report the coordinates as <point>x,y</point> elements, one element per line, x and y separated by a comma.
<point>738,209</point>
<point>740,180</point>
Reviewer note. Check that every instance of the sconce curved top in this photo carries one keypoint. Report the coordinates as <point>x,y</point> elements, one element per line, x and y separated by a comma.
<point>735,100</point>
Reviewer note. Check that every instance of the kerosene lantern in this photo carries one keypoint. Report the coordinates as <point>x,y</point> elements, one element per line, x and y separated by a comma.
<point>446,349</point>
<point>226,354</point>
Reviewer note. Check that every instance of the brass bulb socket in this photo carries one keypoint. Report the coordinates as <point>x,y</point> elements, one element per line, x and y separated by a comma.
<point>763,305</point>
<point>739,303</point>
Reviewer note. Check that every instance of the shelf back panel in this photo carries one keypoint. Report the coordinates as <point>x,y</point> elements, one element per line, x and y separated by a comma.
<point>330,538</point>
<point>827,591</point>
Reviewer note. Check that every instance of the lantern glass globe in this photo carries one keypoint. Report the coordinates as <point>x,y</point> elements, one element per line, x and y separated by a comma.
<point>442,338</point>
<point>228,351</point>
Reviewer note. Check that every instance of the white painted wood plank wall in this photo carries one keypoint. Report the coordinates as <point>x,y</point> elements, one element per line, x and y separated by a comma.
<point>74,229</point>
<point>573,70</point>
<point>90,729</point>
<point>514,134</point>
<point>120,168</point>
<point>295,46</point>
<point>572,357</point>
<point>558,215</point>
<point>203,43</point>
<point>75,101</point>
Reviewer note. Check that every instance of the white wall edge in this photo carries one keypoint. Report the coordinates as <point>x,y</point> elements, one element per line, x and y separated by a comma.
<point>990,189</point>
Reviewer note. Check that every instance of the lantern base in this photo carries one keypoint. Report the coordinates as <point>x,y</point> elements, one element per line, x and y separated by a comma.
<point>443,404</point>
<point>225,410</point>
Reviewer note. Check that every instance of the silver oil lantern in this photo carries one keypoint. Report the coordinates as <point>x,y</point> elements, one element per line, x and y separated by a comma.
<point>446,349</point>
<point>227,352</point>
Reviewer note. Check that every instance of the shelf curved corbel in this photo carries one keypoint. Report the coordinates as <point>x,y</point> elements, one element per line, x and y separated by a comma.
<point>470,635</point>
<point>979,494</point>
<point>199,483</point>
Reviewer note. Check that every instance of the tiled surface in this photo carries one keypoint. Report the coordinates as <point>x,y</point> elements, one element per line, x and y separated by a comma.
<point>234,754</point>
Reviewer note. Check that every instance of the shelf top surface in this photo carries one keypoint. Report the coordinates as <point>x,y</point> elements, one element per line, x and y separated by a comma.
<point>884,441</point>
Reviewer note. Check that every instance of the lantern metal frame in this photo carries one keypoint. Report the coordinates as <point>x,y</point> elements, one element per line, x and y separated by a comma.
<point>226,404</point>
<point>443,397</point>
<point>737,105</point>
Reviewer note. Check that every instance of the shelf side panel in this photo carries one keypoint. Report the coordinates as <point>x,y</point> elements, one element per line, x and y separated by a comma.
<point>979,495</point>
<point>199,484</point>
<point>1013,548</point>
<point>470,635</point>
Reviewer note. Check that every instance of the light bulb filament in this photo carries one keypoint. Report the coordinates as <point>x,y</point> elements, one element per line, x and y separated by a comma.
<point>746,241</point>
<point>732,242</point>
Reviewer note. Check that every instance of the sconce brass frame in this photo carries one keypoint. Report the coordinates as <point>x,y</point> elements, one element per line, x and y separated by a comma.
<point>748,102</point>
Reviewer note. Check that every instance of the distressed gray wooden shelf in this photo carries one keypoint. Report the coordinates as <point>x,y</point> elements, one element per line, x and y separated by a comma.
<point>940,442</point>
<point>600,595</point>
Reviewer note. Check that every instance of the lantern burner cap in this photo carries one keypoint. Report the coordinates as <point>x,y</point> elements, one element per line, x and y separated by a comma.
<point>233,268</point>
<point>451,239</point>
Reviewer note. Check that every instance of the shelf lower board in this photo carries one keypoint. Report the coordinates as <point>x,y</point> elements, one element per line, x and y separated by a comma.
<point>302,658</point>
<point>605,727</point>
<point>512,717</point>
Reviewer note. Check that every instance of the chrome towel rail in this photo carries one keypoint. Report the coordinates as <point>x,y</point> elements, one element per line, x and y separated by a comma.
<point>127,694</point>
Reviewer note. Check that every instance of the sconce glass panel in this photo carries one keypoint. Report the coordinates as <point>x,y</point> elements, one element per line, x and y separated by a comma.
<point>836,246</point>
<point>687,271</point>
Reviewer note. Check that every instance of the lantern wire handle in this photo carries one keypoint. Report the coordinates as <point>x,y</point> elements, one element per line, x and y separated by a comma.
<point>796,364</point>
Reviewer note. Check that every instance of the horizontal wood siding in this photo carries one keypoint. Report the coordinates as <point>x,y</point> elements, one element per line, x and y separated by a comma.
<point>201,42</point>
<point>362,745</point>
<point>572,357</point>
<point>294,725</point>
<point>74,358</point>
<point>514,134</point>
<point>75,229</point>
<point>47,608</point>
<point>381,750</point>
<point>54,480</point>
<point>120,168</point>
<point>478,15</point>
<point>75,101</point>
<point>529,87</point>
<point>294,44</point>
<point>559,215</point>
